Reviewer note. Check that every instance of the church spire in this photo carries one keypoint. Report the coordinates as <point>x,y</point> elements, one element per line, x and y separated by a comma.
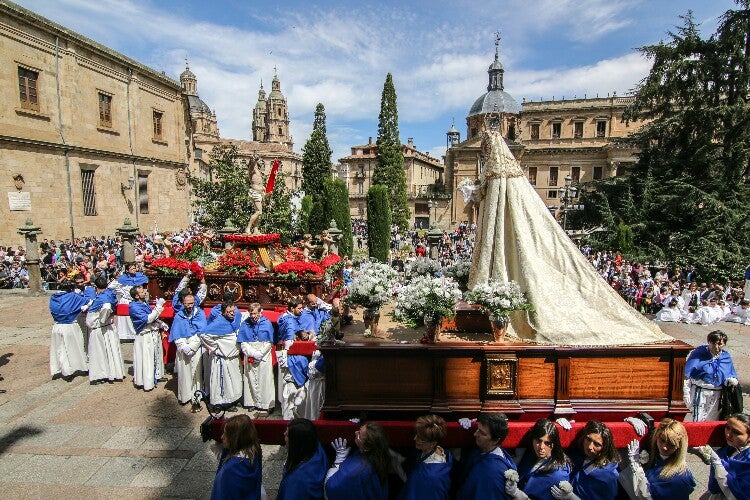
<point>496,69</point>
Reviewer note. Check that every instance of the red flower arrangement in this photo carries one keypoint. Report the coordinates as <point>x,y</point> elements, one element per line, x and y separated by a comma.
<point>237,261</point>
<point>298,268</point>
<point>196,269</point>
<point>330,260</point>
<point>294,254</point>
<point>193,248</point>
<point>253,239</point>
<point>168,265</point>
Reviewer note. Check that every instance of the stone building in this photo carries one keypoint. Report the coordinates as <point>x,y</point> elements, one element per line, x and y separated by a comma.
<point>88,136</point>
<point>553,140</point>
<point>428,201</point>
<point>271,139</point>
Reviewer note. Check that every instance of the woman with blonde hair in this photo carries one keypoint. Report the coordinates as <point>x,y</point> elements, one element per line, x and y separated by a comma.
<point>666,475</point>
<point>240,470</point>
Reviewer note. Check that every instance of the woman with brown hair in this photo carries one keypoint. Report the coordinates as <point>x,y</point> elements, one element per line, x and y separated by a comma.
<point>362,474</point>
<point>240,470</point>
<point>666,475</point>
<point>429,469</point>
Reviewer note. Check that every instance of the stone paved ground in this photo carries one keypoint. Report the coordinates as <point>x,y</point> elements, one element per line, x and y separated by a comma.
<point>72,440</point>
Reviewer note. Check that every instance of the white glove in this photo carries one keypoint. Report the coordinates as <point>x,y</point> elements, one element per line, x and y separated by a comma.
<point>288,344</point>
<point>511,488</point>
<point>633,451</point>
<point>186,350</point>
<point>560,494</point>
<point>342,451</point>
<point>160,303</point>
<point>709,454</point>
<point>565,423</point>
<point>639,426</point>
<point>732,381</point>
<point>466,423</point>
<point>354,420</point>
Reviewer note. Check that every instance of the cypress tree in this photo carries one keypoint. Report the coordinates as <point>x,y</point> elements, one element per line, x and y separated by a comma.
<point>277,211</point>
<point>378,223</point>
<point>336,207</point>
<point>316,156</point>
<point>389,171</point>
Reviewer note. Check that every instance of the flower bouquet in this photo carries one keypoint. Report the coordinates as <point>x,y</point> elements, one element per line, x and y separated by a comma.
<point>373,285</point>
<point>237,261</point>
<point>497,300</point>
<point>459,271</point>
<point>423,266</point>
<point>297,269</point>
<point>196,248</point>
<point>427,300</point>
<point>253,239</point>
<point>171,266</point>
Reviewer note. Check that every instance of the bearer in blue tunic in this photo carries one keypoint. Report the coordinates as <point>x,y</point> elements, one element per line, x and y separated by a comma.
<point>188,324</point>
<point>708,368</point>
<point>484,470</point>
<point>429,468</point>
<point>240,473</point>
<point>105,356</point>
<point>148,355</point>
<point>256,339</point>
<point>66,352</point>
<point>122,285</point>
<point>313,315</point>
<point>220,339</point>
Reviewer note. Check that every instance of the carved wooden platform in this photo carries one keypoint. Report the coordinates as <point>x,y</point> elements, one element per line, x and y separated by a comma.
<point>522,380</point>
<point>269,291</point>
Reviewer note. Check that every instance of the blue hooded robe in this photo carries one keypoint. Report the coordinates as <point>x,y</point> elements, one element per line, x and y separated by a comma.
<point>106,296</point>
<point>678,487</point>
<point>701,365</point>
<point>237,478</point>
<point>355,479</point>
<point>536,483</point>
<point>427,481</point>
<point>306,481</point>
<point>139,312</point>
<point>66,306</point>
<point>137,279</point>
<point>219,325</point>
<point>738,471</point>
<point>262,331</point>
<point>485,476</point>
<point>184,326</point>
<point>311,319</point>
<point>599,482</point>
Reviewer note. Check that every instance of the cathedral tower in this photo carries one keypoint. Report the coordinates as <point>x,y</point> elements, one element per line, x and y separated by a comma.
<point>259,117</point>
<point>277,115</point>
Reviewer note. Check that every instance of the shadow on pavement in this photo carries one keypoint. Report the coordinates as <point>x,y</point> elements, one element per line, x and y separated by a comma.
<point>16,435</point>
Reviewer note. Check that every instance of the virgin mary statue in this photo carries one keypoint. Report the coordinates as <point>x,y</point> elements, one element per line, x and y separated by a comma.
<point>519,240</point>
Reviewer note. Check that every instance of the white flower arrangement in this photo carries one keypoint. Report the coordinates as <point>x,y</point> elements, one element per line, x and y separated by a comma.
<point>373,285</point>
<point>423,266</point>
<point>368,332</point>
<point>643,457</point>
<point>498,298</point>
<point>426,296</point>
<point>565,486</point>
<point>459,271</point>
<point>511,475</point>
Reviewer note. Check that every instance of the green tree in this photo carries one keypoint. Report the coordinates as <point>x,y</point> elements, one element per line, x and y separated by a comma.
<point>304,214</point>
<point>336,207</point>
<point>224,198</point>
<point>316,156</point>
<point>277,211</point>
<point>389,171</point>
<point>378,223</point>
<point>687,197</point>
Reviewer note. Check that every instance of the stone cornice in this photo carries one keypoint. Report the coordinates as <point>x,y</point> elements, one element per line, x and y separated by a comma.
<point>91,151</point>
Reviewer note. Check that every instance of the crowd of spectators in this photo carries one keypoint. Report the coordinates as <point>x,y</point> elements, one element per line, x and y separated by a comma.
<point>13,271</point>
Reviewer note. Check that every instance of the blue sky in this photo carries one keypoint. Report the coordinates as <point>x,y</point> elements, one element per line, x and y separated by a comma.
<point>338,53</point>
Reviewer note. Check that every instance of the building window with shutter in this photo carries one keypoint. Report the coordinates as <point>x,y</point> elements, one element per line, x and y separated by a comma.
<point>601,128</point>
<point>105,110</point>
<point>532,175</point>
<point>598,173</point>
<point>553,176</point>
<point>577,130</point>
<point>28,88</point>
<point>143,193</point>
<point>88,191</point>
<point>158,127</point>
<point>575,174</point>
<point>535,131</point>
<point>556,129</point>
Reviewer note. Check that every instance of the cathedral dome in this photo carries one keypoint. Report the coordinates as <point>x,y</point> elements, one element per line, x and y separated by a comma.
<point>495,101</point>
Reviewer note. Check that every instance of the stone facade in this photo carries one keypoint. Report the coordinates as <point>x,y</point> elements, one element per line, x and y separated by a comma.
<point>88,135</point>
<point>424,181</point>
<point>551,139</point>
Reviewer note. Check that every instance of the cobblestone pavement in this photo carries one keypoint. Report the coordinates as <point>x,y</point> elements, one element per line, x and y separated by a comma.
<point>63,439</point>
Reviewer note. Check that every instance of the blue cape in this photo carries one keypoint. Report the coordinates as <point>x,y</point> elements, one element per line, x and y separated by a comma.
<point>306,481</point>
<point>139,312</point>
<point>536,484</point>
<point>184,326</point>
<point>89,292</point>
<point>427,481</point>
<point>484,475</point>
<point>237,479</point>
<point>355,479</point>
<point>677,487</point>
<point>106,296</point>
<point>215,311</point>
<point>738,471</point>
<point>176,305</point>
<point>288,325</point>
<point>320,364</point>
<point>600,483</point>
<point>262,331</point>
<point>311,319</point>
<point>66,306</point>
<point>298,368</point>
<point>219,325</point>
<point>701,365</point>
<point>127,280</point>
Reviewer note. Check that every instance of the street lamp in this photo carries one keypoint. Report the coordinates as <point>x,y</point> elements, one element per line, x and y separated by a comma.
<point>569,193</point>
<point>433,204</point>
